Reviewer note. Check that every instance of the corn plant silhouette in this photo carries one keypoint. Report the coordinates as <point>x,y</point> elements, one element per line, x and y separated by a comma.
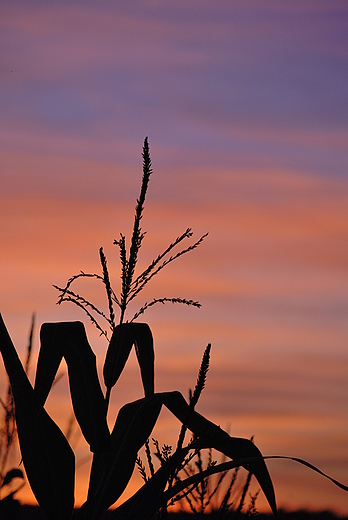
<point>47,456</point>
<point>11,478</point>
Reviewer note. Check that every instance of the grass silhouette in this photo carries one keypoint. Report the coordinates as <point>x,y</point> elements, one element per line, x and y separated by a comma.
<point>183,474</point>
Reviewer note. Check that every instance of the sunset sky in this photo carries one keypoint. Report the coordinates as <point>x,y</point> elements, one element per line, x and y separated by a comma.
<point>245,106</point>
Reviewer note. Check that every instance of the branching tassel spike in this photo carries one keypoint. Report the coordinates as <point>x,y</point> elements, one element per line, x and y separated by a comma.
<point>107,286</point>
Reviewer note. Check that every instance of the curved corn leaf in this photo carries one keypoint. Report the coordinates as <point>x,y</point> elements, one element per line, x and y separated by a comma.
<point>48,363</point>
<point>123,338</point>
<point>111,471</point>
<point>10,475</point>
<point>48,459</point>
<point>213,437</point>
<point>69,340</point>
<point>149,498</point>
<point>312,467</point>
<point>117,354</point>
<point>146,355</point>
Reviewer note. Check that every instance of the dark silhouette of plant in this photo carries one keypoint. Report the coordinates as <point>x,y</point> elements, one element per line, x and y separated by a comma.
<point>47,456</point>
<point>8,436</point>
<point>203,496</point>
<point>131,286</point>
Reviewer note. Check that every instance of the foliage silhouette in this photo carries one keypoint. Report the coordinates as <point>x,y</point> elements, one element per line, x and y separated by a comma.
<point>47,456</point>
<point>8,436</point>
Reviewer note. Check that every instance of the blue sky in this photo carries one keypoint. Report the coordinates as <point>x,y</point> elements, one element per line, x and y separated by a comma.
<point>250,84</point>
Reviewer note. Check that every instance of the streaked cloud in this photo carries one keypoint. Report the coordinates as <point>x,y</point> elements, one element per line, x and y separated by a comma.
<point>229,83</point>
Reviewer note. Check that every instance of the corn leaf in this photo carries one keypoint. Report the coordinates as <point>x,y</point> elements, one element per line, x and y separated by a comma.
<point>111,472</point>
<point>48,459</point>
<point>145,355</point>
<point>122,340</point>
<point>117,354</point>
<point>233,447</point>
<point>69,340</point>
<point>50,356</point>
<point>151,496</point>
